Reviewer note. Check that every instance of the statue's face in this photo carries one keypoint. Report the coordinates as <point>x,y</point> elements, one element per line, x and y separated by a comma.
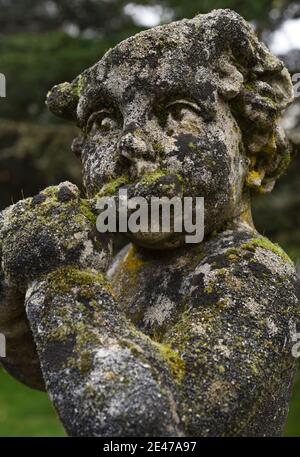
<point>150,124</point>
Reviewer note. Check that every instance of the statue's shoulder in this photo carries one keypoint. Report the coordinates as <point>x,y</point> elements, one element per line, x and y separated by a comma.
<point>243,265</point>
<point>236,334</point>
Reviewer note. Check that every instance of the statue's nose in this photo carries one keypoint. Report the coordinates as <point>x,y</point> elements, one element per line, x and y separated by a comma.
<point>133,147</point>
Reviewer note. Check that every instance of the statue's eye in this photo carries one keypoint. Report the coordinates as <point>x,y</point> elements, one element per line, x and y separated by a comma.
<point>179,108</point>
<point>102,121</point>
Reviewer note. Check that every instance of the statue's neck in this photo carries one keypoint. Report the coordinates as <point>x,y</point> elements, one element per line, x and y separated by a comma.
<point>244,214</point>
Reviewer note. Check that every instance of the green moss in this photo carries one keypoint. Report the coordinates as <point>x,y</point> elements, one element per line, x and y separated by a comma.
<point>165,353</point>
<point>179,335</point>
<point>151,178</point>
<point>111,187</point>
<point>61,333</point>
<point>284,163</point>
<point>63,280</point>
<point>254,369</point>
<point>79,86</point>
<point>181,180</point>
<point>134,348</point>
<point>267,245</point>
<point>63,87</point>
<point>173,359</point>
<point>232,255</point>
<point>192,146</point>
<point>75,88</point>
<point>158,148</point>
<point>209,162</point>
<point>138,133</point>
<point>208,290</point>
<point>86,336</point>
<point>270,101</point>
<point>86,210</point>
<point>88,294</point>
<point>85,339</point>
<point>85,362</point>
<point>50,193</point>
<point>250,87</point>
<point>221,369</point>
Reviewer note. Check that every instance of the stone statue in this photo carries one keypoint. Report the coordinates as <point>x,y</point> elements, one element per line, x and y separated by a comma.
<point>168,338</point>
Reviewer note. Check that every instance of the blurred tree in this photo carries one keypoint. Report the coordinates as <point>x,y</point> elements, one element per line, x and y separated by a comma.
<point>33,63</point>
<point>34,156</point>
<point>265,14</point>
<point>100,16</point>
<point>109,16</point>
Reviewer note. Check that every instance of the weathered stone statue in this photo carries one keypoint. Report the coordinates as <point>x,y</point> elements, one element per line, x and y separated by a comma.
<point>169,339</point>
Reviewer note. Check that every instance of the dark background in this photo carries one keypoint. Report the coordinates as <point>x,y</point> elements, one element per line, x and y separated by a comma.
<point>46,42</point>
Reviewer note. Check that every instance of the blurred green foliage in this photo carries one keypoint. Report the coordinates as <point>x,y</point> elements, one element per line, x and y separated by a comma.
<point>277,215</point>
<point>25,412</point>
<point>257,11</point>
<point>104,16</point>
<point>32,64</point>
<point>109,16</point>
<point>33,156</point>
<point>293,421</point>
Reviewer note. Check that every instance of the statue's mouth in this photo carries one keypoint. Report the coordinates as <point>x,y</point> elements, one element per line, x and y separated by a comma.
<point>154,184</point>
<point>151,211</point>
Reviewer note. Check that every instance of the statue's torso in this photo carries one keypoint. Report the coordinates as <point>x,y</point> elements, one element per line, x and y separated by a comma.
<point>228,307</point>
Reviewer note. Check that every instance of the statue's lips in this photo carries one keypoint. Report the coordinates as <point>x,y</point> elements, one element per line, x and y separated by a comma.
<point>157,184</point>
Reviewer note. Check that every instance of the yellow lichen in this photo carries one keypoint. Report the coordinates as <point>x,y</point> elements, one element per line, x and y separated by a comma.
<point>132,262</point>
<point>254,179</point>
<point>173,359</point>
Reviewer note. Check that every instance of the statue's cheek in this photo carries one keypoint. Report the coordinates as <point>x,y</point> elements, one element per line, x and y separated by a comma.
<point>99,156</point>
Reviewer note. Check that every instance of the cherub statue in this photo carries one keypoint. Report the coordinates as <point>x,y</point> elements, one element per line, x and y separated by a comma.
<point>167,338</point>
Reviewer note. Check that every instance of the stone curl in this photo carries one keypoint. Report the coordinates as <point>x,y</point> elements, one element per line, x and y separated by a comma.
<point>265,90</point>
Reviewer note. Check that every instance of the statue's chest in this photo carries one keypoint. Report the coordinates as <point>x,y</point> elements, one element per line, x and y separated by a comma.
<point>150,293</point>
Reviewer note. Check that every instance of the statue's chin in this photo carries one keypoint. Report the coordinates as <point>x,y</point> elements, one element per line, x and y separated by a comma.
<point>166,240</point>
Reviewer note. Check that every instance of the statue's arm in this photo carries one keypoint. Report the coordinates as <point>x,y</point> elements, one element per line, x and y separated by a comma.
<point>21,359</point>
<point>105,378</point>
<point>236,338</point>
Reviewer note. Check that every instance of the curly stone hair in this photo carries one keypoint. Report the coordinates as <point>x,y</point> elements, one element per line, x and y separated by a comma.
<point>223,49</point>
<point>265,90</point>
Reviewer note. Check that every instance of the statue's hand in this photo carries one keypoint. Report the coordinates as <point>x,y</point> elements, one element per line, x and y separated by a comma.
<point>55,228</point>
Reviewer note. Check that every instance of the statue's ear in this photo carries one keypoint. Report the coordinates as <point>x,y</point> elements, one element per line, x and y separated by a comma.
<point>62,100</point>
<point>230,80</point>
